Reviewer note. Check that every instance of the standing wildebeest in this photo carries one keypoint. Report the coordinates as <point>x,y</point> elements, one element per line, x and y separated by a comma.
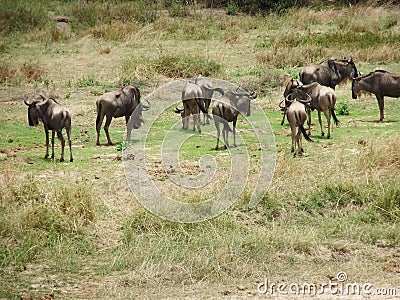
<point>226,109</point>
<point>208,90</point>
<point>291,85</point>
<point>329,73</point>
<point>380,83</point>
<point>54,118</point>
<point>119,104</point>
<point>296,115</point>
<point>192,99</point>
<point>323,99</point>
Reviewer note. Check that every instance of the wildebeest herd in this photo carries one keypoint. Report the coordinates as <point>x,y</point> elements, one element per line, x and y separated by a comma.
<point>314,91</point>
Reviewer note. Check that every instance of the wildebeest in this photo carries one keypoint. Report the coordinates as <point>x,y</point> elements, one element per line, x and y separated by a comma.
<point>296,115</point>
<point>119,104</point>
<point>54,117</point>
<point>208,90</point>
<point>291,85</point>
<point>226,109</point>
<point>192,99</point>
<point>380,83</point>
<point>323,99</point>
<point>329,73</point>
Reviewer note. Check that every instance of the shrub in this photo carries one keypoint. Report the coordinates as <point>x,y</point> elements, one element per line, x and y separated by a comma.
<point>343,109</point>
<point>185,67</point>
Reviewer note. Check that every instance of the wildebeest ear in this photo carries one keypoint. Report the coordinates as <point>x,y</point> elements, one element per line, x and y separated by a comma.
<point>117,94</point>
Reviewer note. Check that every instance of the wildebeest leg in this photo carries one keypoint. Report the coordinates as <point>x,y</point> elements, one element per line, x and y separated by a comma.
<point>99,121</point>
<point>129,127</point>
<point>320,123</point>
<point>106,125</point>
<point>68,130</point>
<point>61,138</point>
<point>52,143</point>
<point>185,119</point>
<point>308,111</point>
<point>218,132</point>
<point>206,118</point>
<point>225,134</point>
<point>298,141</point>
<point>47,142</point>
<point>328,120</point>
<point>381,106</point>
<point>196,120</point>
<point>234,133</point>
<point>293,130</point>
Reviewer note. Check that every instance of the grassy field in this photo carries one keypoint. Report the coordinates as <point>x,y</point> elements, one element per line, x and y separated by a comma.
<point>75,230</point>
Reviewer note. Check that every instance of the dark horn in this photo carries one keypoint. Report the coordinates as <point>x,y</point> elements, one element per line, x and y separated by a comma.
<point>43,98</point>
<point>178,110</point>
<point>146,107</point>
<point>253,95</point>
<point>287,98</point>
<point>280,104</point>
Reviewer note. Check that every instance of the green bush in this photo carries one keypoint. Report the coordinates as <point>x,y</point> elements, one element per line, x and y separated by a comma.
<point>343,109</point>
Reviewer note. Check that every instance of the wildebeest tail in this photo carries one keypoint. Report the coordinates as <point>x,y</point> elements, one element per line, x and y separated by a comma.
<point>303,131</point>
<point>59,135</point>
<point>335,119</point>
<point>201,106</point>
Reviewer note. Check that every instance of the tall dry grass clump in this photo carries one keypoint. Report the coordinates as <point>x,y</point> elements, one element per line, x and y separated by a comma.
<point>34,217</point>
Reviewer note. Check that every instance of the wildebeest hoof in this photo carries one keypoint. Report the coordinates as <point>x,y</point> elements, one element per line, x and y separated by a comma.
<point>323,134</point>
<point>71,160</point>
<point>328,137</point>
<point>61,159</point>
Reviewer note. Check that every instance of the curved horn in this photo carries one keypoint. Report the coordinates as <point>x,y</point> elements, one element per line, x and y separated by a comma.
<point>289,100</point>
<point>305,101</point>
<point>146,107</point>
<point>43,98</point>
<point>253,95</point>
<point>178,110</point>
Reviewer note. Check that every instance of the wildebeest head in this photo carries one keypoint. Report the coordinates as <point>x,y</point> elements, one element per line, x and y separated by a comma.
<point>291,85</point>
<point>356,87</point>
<point>352,67</point>
<point>243,103</point>
<point>33,112</point>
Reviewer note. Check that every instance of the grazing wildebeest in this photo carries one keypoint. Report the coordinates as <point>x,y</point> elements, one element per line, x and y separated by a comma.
<point>380,83</point>
<point>296,115</point>
<point>226,109</point>
<point>192,99</point>
<point>119,104</point>
<point>54,118</point>
<point>329,73</point>
<point>208,90</point>
<point>323,99</point>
